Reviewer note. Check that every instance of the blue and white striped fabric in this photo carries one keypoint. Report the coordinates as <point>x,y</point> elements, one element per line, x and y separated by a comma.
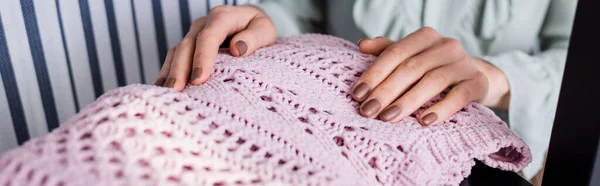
<point>57,56</point>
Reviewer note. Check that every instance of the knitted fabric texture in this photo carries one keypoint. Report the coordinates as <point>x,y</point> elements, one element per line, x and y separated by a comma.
<point>282,116</point>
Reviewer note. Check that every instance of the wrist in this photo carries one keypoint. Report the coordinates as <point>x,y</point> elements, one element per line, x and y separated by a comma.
<point>498,95</point>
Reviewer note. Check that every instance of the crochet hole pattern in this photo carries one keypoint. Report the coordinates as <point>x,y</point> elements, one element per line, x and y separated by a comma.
<point>281,116</point>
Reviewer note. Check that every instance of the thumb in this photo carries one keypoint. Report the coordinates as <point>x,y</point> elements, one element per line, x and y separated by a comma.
<point>259,33</point>
<point>374,46</point>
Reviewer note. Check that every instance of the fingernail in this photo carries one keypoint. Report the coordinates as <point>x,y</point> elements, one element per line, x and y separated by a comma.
<point>361,91</point>
<point>159,82</point>
<point>429,118</point>
<point>195,74</point>
<point>390,113</point>
<point>358,42</point>
<point>241,46</point>
<point>370,108</point>
<point>169,83</point>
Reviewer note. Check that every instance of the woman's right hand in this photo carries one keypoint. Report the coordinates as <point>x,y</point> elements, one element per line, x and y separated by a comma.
<point>192,60</point>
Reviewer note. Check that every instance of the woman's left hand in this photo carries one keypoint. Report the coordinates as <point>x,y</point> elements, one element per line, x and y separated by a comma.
<point>412,71</point>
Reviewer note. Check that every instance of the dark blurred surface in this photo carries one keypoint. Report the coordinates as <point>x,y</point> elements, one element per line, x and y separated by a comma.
<point>483,175</point>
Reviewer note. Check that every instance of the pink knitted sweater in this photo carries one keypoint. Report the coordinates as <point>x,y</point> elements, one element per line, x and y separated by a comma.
<point>282,116</point>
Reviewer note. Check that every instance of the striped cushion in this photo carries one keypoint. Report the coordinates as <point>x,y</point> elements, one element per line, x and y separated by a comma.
<point>57,56</point>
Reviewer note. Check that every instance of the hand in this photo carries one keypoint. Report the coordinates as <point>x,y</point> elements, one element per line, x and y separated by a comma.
<point>196,53</point>
<point>412,71</point>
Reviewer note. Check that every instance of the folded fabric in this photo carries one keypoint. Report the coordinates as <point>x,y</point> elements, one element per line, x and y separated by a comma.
<point>282,116</point>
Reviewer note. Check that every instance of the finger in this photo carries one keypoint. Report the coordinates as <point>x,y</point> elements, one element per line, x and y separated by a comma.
<point>391,57</point>
<point>459,96</point>
<point>196,27</point>
<point>164,71</point>
<point>222,22</point>
<point>182,59</point>
<point>374,46</point>
<point>432,84</point>
<point>409,72</point>
<point>259,33</point>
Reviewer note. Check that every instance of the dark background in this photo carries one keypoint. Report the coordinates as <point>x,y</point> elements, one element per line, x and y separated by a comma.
<point>575,135</point>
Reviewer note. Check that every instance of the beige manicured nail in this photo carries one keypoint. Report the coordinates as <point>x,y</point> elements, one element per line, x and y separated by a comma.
<point>159,82</point>
<point>361,91</point>
<point>196,73</point>
<point>429,118</point>
<point>370,108</point>
<point>241,46</point>
<point>389,113</point>
<point>170,82</point>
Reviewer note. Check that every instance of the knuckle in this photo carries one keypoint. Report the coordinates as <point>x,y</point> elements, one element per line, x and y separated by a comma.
<point>219,9</point>
<point>454,47</point>
<point>463,95</point>
<point>411,66</point>
<point>206,34</point>
<point>460,53</point>
<point>197,22</point>
<point>395,50</point>
<point>464,63</point>
<point>437,78</point>
<point>185,42</point>
<point>451,42</point>
<point>217,19</point>
<point>429,31</point>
